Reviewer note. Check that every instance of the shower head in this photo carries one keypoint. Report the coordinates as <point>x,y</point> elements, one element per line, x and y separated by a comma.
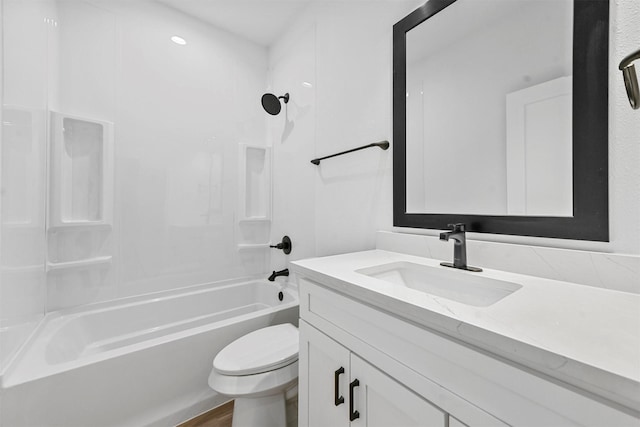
<point>271,103</point>
<point>630,79</point>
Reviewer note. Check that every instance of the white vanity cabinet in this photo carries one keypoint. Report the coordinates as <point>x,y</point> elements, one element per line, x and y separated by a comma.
<point>344,388</point>
<point>346,382</point>
<point>409,374</point>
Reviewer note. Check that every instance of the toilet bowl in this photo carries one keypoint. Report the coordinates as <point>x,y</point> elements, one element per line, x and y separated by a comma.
<point>257,370</point>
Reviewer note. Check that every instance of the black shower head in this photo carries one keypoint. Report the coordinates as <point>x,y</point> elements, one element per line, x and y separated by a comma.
<point>271,103</point>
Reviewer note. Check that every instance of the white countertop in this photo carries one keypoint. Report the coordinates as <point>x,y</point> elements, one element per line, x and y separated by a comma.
<point>585,336</point>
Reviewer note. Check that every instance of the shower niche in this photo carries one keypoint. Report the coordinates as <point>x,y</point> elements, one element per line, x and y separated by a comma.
<point>81,184</point>
<point>254,197</point>
<point>80,214</point>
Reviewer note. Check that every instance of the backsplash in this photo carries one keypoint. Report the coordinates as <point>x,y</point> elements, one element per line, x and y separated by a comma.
<point>602,270</point>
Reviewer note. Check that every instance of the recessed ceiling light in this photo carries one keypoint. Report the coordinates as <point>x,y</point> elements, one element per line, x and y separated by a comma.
<point>307,84</point>
<point>178,40</point>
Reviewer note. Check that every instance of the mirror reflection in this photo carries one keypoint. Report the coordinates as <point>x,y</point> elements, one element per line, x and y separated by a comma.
<point>489,109</point>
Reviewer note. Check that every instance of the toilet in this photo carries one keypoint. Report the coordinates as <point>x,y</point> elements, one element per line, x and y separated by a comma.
<point>257,370</point>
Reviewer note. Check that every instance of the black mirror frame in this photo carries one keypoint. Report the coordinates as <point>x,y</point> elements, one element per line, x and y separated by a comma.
<point>590,220</point>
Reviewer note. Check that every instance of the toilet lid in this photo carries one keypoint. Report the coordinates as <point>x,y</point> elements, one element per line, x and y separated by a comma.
<point>260,351</point>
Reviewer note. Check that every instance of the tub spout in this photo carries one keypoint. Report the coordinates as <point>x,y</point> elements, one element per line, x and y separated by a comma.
<point>275,274</point>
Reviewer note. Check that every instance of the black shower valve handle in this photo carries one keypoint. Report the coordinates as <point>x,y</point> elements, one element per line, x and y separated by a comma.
<point>285,245</point>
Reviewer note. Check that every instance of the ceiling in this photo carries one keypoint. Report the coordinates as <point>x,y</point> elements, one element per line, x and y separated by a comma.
<point>261,21</point>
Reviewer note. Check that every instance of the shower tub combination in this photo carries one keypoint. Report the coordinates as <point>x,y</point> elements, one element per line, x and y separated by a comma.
<point>141,361</point>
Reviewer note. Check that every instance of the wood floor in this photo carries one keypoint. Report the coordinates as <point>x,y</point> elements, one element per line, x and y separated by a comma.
<point>217,417</point>
<point>222,416</point>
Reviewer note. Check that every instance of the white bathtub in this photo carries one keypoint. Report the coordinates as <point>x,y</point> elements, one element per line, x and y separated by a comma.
<point>140,361</point>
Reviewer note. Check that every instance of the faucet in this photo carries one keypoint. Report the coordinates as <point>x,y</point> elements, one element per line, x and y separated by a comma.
<point>275,274</point>
<point>457,234</point>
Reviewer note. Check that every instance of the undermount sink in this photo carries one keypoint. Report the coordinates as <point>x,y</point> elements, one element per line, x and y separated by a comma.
<point>461,286</point>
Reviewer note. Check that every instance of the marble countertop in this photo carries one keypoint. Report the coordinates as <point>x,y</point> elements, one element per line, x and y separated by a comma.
<point>586,336</point>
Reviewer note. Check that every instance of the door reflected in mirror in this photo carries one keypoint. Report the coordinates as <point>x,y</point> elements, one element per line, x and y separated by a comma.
<point>489,109</point>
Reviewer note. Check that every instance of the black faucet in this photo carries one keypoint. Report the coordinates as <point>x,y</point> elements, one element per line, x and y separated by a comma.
<point>275,274</point>
<point>457,234</point>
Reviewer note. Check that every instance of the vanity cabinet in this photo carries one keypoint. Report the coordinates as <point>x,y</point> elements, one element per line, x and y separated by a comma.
<point>344,388</point>
<point>346,382</point>
<point>408,374</point>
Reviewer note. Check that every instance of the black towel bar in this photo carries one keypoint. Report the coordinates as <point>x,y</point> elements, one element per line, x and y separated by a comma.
<point>382,144</point>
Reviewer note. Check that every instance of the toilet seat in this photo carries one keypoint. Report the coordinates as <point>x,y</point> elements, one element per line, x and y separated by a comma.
<point>264,350</point>
<point>255,385</point>
<point>257,364</point>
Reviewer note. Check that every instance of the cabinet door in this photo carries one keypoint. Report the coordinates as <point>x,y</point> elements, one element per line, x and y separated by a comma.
<point>380,401</point>
<point>324,380</point>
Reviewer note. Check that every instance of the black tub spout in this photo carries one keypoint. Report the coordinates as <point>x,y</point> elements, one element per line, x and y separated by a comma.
<point>275,274</point>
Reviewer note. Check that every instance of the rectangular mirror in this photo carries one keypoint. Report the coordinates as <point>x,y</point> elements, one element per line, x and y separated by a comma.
<point>500,117</point>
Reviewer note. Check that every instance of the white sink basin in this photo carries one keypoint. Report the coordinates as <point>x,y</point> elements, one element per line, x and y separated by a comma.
<point>456,285</point>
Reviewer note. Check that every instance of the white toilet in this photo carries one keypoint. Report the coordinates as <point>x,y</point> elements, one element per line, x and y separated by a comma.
<point>257,370</point>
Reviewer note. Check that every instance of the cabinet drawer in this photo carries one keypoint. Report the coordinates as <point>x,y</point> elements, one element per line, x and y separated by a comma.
<point>455,372</point>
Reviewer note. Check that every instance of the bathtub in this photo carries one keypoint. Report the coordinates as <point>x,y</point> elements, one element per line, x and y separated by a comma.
<point>140,361</point>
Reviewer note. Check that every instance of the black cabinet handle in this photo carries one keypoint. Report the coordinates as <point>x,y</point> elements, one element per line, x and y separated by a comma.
<point>353,415</point>
<point>336,379</point>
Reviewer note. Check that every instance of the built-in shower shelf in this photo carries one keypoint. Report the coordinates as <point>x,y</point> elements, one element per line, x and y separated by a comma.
<point>90,262</point>
<point>256,219</point>
<point>254,199</point>
<point>254,182</point>
<point>80,225</point>
<point>246,246</point>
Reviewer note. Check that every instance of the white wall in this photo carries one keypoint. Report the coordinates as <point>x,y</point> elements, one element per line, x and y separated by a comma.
<point>179,114</point>
<point>339,204</point>
<point>183,113</point>
<point>353,194</point>
<point>23,146</point>
<point>292,69</point>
